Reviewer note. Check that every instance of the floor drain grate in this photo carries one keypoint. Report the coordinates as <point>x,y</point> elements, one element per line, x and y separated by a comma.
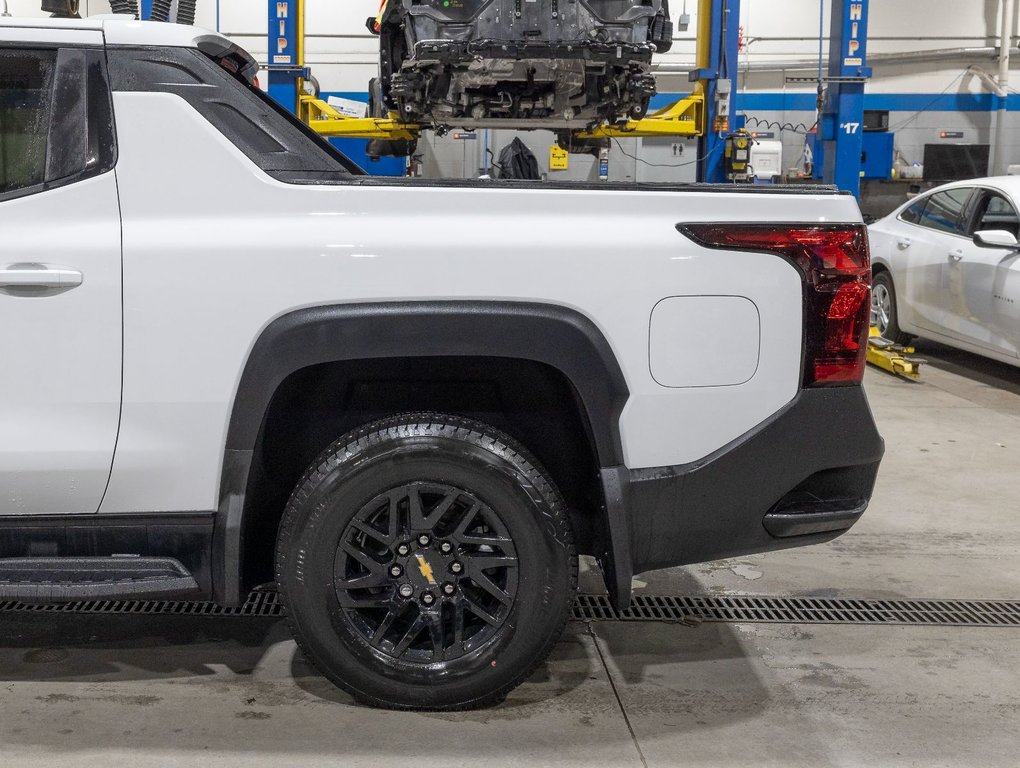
<point>679,608</point>
<point>803,610</point>
<point>261,603</point>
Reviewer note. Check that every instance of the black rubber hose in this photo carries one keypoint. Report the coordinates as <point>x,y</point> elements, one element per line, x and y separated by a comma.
<point>186,11</point>
<point>161,10</point>
<point>125,6</point>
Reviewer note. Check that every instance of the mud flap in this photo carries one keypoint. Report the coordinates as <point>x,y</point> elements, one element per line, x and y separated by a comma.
<point>614,557</point>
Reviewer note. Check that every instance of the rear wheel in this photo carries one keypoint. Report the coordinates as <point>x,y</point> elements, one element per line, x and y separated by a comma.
<point>426,562</point>
<point>883,309</point>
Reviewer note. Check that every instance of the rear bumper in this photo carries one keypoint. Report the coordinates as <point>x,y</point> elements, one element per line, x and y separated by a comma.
<point>803,477</point>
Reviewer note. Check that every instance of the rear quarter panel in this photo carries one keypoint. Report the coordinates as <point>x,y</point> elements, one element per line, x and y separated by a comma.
<point>215,250</point>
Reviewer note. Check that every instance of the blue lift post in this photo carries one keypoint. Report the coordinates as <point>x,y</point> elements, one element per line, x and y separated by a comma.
<point>842,122</point>
<point>286,55</point>
<point>287,73</point>
<point>721,36</point>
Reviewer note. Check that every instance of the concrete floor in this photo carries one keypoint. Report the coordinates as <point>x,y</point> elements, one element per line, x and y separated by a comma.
<point>945,523</point>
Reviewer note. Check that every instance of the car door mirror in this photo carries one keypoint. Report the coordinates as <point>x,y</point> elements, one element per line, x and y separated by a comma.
<point>996,238</point>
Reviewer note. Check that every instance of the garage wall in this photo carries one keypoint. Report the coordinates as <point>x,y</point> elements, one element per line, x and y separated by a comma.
<point>924,98</point>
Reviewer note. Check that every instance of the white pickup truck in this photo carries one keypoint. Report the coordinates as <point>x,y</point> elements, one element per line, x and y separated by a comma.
<point>231,358</point>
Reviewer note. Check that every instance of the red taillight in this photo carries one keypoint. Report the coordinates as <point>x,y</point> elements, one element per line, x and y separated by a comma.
<point>836,268</point>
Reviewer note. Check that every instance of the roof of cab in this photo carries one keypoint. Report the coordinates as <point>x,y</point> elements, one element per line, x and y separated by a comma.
<point>44,22</point>
<point>119,30</point>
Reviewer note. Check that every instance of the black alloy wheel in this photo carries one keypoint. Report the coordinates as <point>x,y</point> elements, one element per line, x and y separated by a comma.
<point>426,562</point>
<point>884,313</point>
<point>426,572</point>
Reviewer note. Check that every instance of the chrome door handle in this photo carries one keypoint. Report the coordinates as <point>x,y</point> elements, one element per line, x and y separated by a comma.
<point>904,242</point>
<point>39,276</point>
<point>955,256</point>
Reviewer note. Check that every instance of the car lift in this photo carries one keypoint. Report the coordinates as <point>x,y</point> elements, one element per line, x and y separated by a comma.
<point>687,117</point>
<point>707,113</point>
<point>841,125</point>
<point>682,118</point>
<point>892,357</point>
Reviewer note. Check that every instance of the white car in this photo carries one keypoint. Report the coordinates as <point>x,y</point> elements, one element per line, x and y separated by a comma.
<point>947,267</point>
<point>229,357</point>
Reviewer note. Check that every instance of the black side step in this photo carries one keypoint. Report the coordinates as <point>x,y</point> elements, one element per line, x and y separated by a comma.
<point>68,579</point>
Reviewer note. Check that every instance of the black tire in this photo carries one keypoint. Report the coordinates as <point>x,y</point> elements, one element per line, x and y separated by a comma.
<point>882,281</point>
<point>486,507</point>
<point>377,148</point>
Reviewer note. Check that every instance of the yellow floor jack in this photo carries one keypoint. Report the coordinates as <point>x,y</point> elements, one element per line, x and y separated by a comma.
<point>892,357</point>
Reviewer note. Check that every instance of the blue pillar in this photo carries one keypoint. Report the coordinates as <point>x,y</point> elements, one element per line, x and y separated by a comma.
<point>146,9</point>
<point>842,124</point>
<point>723,41</point>
<point>286,57</point>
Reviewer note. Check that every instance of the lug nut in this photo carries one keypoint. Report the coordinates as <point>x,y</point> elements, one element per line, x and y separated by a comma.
<point>424,539</point>
<point>406,590</point>
<point>446,547</point>
<point>403,550</point>
<point>395,571</point>
<point>428,598</point>
<point>449,589</point>
<point>456,567</point>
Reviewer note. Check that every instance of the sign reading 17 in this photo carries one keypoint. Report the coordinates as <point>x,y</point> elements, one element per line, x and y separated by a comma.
<point>850,128</point>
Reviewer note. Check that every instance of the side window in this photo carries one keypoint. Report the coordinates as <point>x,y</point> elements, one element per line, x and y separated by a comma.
<point>912,214</point>
<point>56,118</point>
<point>996,212</point>
<point>26,95</point>
<point>944,211</point>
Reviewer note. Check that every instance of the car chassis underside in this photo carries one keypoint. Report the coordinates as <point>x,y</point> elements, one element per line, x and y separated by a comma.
<point>515,84</point>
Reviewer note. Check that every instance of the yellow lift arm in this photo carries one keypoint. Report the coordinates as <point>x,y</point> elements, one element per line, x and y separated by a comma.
<point>683,118</point>
<point>891,357</point>
<point>327,121</point>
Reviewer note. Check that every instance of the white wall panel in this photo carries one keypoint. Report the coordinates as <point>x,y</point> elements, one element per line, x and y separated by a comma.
<point>243,16</point>
<point>344,53</point>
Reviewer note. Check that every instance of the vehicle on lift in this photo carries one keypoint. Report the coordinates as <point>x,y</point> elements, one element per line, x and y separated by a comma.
<point>512,64</point>
<point>947,267</point>
<point>410,404</point>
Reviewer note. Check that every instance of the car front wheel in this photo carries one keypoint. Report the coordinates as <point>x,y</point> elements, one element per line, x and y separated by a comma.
<point>883,309</point>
